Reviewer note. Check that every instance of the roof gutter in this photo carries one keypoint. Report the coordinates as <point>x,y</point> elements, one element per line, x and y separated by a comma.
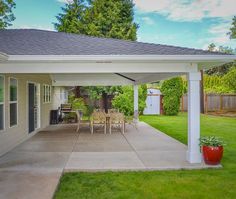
<point>121,58</point>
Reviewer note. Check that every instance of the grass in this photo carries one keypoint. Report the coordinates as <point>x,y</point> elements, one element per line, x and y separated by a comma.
<point>184,184</point>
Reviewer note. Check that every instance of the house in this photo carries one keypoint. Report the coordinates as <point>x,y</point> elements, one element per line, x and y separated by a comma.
<point>34,62</point>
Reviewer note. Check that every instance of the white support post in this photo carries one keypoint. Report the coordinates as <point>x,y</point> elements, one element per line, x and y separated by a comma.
<point>136,102</point>
<point>193,153</point>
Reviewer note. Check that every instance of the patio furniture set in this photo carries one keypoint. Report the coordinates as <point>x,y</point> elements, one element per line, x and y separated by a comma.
<point>99,118</point>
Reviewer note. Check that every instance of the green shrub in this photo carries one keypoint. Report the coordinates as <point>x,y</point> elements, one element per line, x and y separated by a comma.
<point>172,91</point>
<point>71,98</point>
<point>78,104</point>
<point>229,80</point>
<point>124,101</point>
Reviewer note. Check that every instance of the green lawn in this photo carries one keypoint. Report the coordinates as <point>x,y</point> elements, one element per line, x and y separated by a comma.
<point>211,183</point>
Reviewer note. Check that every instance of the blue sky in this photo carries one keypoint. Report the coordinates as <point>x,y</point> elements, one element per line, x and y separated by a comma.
<point>188,23</point>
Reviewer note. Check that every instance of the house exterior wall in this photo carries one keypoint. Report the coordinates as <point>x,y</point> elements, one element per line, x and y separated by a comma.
<point>60,96</point>
<point>12,136</point>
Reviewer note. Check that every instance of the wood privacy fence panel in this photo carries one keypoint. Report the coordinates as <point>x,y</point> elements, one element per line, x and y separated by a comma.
<point>184,103</point>
<point>214,102</point>
<point>229,102</point>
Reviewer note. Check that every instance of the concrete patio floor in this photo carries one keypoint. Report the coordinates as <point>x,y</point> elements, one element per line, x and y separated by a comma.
<point>33,169</point>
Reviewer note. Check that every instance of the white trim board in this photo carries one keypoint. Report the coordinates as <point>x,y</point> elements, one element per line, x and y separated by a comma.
<point>110,58</point>
<point>54,67</point>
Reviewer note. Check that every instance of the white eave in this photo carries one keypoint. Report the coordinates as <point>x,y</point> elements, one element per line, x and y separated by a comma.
<point>124,58</point>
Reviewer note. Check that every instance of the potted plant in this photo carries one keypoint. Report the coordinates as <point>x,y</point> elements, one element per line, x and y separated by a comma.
<point>212,149</point>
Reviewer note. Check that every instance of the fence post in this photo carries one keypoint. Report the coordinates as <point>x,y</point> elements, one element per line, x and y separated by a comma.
<point>205,105</point>
<point>182,105</point>
<point>221,102</point>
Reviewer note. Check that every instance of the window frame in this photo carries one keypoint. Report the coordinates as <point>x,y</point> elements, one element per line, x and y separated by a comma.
<point>47,93</point>
<point>13,102</point>
<point>3,103</point>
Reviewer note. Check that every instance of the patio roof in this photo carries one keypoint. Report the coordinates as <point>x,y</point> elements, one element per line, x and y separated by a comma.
<point>41,42</point>
<point>40,51</point>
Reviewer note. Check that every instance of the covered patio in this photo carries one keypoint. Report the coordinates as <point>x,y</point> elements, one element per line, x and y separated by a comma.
<point>78,60</point>
<point>59,148</point>
<point>39,162</point>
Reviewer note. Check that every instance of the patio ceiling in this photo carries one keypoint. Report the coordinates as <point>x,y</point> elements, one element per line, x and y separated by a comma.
<point>108,79</point>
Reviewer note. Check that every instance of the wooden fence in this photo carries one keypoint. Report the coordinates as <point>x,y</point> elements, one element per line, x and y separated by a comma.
<point>214,102</point>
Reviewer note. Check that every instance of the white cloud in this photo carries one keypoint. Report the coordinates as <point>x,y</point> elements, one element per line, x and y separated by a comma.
<point>222,28</point>
<point>186,10</point>
<point>148,20</point>
<point>65,1</point>
<point>219,33</point>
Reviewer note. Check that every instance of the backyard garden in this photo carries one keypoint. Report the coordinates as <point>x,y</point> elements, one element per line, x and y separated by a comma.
<point>206,183</point>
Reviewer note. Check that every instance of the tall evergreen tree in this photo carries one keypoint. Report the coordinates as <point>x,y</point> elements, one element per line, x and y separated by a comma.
<point>111,19</point>
<point>71,18</point>
<point>232,32</point>
<point>6,14</point>
<point>102,18</point>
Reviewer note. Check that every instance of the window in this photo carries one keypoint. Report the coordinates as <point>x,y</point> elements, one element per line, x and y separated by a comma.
<point>13,101</point>
<point>2,102</point>
<point>47,89</point>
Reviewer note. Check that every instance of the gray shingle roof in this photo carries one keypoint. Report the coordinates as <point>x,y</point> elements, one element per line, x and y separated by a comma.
<point>41,42</point>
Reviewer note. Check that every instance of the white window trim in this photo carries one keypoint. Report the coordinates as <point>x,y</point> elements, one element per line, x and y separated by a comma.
<point>47,93</point>
<point>13,102</point>
<point>3,103</point>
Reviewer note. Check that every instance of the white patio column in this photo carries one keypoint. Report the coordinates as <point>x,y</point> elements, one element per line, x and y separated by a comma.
<point>136,102</point>
<point>193,153</point>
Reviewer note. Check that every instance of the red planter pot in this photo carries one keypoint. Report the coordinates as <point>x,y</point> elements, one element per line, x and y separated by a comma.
<point>212,155</point>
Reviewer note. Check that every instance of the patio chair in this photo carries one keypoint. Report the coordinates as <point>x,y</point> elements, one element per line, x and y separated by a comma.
<point>98,119</point>
<point>133,121</point>
<point>80,121</point>
<point>112,110</point>
<point>117,120</point>
<point>99,110</point>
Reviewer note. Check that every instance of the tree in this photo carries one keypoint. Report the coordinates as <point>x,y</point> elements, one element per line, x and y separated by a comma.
<point>124,100</point>
<point>230,79</point>
<point>172,90</point>
<point>71,20</point>
<point>212,47</point>
<point>6,14</point>
<point>221,70</point>
<point>232,32</point>
<point>102,18</point>
<point>111,19</point>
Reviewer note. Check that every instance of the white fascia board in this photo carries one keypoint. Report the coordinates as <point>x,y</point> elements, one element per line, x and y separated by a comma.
<point>3,57</point>
<point>77,67</point>
<point>126,58</point>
